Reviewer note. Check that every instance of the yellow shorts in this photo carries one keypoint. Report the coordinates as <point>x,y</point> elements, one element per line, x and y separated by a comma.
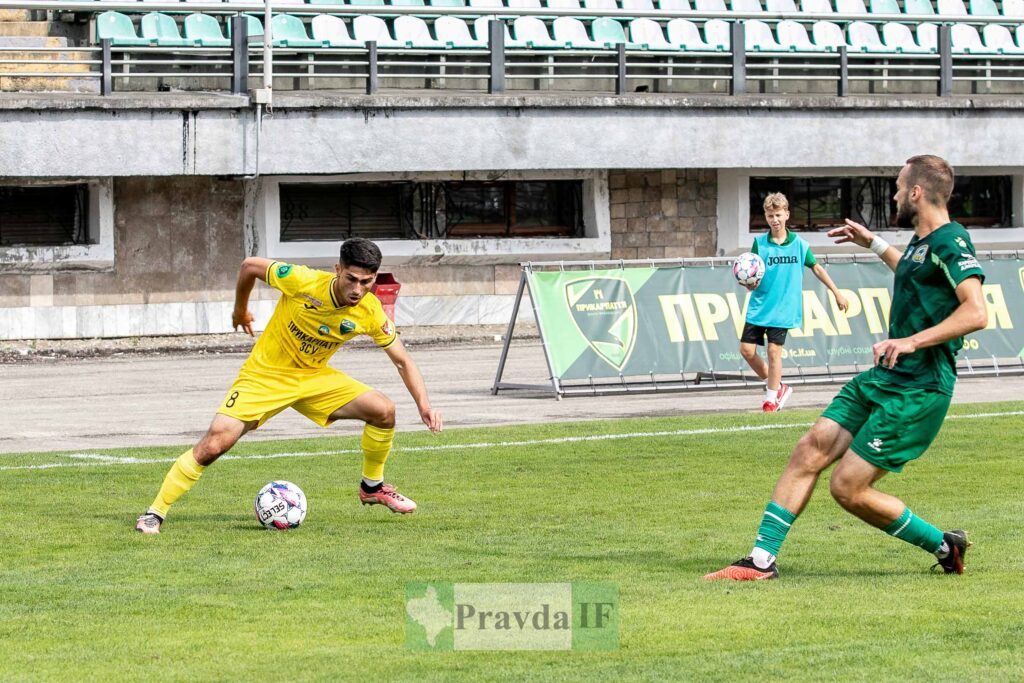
<point>260,395</point>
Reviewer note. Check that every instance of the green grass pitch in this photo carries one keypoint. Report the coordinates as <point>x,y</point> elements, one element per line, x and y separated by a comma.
<point>216,597</point>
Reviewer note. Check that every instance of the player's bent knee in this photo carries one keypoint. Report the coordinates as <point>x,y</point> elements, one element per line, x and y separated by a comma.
<point>844,491</point>
<point>383,414</point>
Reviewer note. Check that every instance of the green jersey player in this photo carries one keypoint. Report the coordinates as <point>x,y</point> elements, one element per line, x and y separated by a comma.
<point>888,415</point>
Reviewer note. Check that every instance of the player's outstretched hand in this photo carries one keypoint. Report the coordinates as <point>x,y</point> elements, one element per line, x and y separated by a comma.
<point>842,303</point>
<point>888,351</point>
<point>432,418</point>
<point>852,232</point>
<point>243,320</point>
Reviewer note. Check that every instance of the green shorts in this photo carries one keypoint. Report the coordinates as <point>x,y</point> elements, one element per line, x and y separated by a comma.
<point>891,424</point>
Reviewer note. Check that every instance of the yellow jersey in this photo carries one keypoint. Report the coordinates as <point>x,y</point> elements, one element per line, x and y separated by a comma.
<point>308,325</point>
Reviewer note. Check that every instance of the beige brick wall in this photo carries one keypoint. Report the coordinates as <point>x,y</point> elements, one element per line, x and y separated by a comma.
<point>663,214</point>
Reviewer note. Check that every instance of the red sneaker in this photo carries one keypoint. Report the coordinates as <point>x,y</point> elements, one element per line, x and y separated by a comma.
<point>744,570</point>
<point>785,391</point>
<point>389,497</point>
<point>770,407</point>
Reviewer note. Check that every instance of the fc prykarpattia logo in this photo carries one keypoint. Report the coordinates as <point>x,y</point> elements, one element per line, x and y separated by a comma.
<point>604,311</point>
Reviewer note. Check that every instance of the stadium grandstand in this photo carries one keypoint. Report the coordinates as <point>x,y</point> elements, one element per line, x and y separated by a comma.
<point>147,146</point>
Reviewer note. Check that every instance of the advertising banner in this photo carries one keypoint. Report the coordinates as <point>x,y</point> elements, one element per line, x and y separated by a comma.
<point>643,321</point>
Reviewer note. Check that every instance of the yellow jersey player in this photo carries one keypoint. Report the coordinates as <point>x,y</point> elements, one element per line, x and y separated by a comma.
<point>317,313</point>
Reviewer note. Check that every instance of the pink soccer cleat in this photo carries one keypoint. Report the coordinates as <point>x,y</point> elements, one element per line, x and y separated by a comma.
<point>148,523</point>
<point>389,497</point>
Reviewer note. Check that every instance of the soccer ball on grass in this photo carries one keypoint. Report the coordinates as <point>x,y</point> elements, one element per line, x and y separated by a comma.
<point>280,505</point>
<point>748,269</point>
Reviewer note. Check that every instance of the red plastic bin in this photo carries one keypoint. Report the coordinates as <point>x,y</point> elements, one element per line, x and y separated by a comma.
<point>386,289</point>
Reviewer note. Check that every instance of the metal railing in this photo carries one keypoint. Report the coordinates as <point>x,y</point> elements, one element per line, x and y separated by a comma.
<point>498,66</point>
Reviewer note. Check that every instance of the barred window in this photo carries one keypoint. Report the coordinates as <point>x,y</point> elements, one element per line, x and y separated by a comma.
<point>44,216</point>
<point>431,210</point>
<point>820,204</point>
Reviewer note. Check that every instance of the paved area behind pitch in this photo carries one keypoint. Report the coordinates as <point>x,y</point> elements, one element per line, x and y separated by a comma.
<point>169,399</point>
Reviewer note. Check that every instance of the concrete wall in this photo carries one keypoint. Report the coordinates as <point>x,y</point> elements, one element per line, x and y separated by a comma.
<point>321,133</point>
<point>178,241</point>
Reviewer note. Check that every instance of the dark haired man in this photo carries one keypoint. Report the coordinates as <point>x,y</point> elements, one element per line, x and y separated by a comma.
<point>287,368</point>
<point>888,415</point>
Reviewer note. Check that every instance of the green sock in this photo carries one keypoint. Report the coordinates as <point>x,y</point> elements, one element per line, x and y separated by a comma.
<point>774,525</point>
<point>912,529</point>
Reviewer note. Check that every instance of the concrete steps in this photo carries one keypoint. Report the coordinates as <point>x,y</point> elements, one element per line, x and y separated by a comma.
<point>57,63</point>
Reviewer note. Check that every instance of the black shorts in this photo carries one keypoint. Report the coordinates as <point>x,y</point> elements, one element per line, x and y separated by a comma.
<point>755,334</point>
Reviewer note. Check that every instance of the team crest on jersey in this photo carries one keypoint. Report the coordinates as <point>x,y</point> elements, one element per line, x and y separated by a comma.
<point>324,330</point>
<point>604,311</point>
<point>386,328</point>
<point>284,269</point>
<point>347,326</point>
<point>919,254</point>
<point>961,242</point>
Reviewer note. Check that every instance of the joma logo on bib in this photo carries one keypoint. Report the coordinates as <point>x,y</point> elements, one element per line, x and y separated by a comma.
<point>775,260</point>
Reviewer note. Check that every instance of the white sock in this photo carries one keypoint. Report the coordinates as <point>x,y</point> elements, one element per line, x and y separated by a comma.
<point>943,551</point>
<point>771,394</point>
<point>372,482</point>
<point>762,558</point>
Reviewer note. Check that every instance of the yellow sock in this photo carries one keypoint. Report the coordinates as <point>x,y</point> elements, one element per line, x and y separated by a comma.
<point>183,475</point>
<point>376,445</point>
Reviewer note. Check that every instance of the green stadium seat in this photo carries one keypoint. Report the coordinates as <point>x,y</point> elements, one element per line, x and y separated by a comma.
<point>610,32</point>
<point>254,27</point>
<point>289,31</point>
<point>999,38</point>
<point>885,7</point>
<point>415,33</point>
<point>533,33</point>
<point>571,32</point>
<point>204,29</point>
<point>747,7</point>
<point>816,7</point>
<point>851,7</point>
<point>863,37</point>
<point>454,32</point>
<point>332,31</point>
<point>648,32</point>
<point>366,28</point>
<point>928,36</point>
<point>983,8</point>
<point>1013,8</point>
<point>966,40</point>
<point>955,8</point>
<point>920,7</point>
<point>792,35</point>
<point>828,35</point>
<point>119,29</point>
<point>899,38</point>
<point>759,37</point>
<point>480,27</point>
<point>781,6</point>
<point>684,34</point>
<point>161,29</point>
<point>710,6</point>
<point>638,5</point>
<point>717,35</point>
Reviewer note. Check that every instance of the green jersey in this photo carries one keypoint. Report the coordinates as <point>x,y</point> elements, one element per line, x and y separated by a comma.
<point>923,296</point>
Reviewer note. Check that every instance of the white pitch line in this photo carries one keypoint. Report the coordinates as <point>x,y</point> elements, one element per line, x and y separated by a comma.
<point>100,460</point>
